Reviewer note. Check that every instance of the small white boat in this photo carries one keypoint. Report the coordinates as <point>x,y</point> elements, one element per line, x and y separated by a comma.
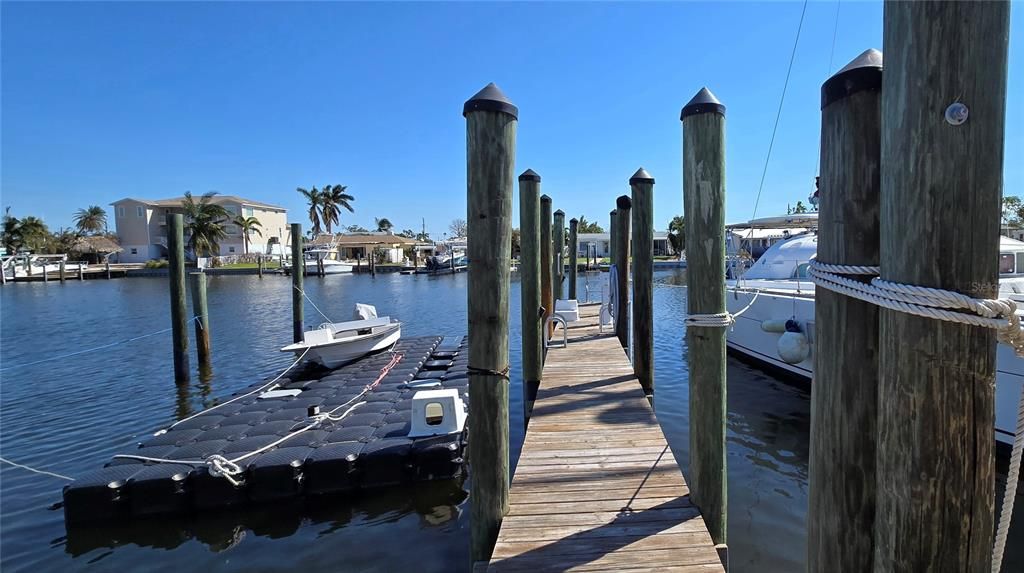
<point>335,344</point>
<point>329,259</point>
<point>778,328</point>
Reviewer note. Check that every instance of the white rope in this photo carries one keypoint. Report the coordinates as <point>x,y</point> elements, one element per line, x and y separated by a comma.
<point>268,386</point>
<point>997,314</point>
<point>1009,495</point>
<point>34,470</point>
<point>718,320</point>
<point>311,303</point>
<point>93,349</point>
<point>220,466</point>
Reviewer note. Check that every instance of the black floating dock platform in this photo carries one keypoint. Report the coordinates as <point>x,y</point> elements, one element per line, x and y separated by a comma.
<point>368,448</point>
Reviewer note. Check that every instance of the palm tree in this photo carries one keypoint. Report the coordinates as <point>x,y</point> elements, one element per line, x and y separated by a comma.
<point>31,232</point>
<point>247,225</point>
<point>333,199</point>
<point>204,224</point>
<point>585,226</point>
<point>383,224</point>
<point>316,201</point>
<point>12,239</point>
<point>675,234</point>
<point>91,220</point>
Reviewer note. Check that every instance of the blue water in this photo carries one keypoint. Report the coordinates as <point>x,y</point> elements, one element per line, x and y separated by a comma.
<point>71,415</point>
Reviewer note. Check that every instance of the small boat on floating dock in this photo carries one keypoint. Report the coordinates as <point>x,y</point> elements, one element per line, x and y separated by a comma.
<point>334,344</point>
<point>386,419</point>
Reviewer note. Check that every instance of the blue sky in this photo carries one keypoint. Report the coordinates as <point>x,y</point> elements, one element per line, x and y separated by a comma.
<point>109,100</point>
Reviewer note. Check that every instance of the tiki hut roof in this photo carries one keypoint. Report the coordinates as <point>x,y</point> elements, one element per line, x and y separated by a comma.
<point>98,244</point>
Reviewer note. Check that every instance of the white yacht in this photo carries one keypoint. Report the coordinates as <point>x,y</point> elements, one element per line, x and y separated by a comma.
<point>785,303</point>
<point>327,256</point>
<point>27,265</point>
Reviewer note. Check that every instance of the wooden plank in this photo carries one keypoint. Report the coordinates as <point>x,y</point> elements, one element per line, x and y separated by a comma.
<point>597,488</point>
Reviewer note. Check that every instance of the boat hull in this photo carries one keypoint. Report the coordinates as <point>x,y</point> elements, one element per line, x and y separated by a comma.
<point>747,339</point>
<point>333,355</point>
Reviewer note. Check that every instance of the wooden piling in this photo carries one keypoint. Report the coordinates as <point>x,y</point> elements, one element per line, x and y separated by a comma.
<point>558,254</point>
<point>704,205</point>
<point>46,277</point>
<point>546,265</point>
<point>179,314</point>
<point>642,187</point>
<point>530,286</point>
<point>943,112</point>
<point>612,217</point>
<point>574,247</point>
<point>259,266</point>
<point>844,397</point>
<point>490,152</point>
<point>202,320</point>
<point>298,269</point>
<point>623,206</point>
<point>107,267</point>
<point>63,277</point>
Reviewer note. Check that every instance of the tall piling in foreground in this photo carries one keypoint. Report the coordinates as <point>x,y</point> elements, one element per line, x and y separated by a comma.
<point>642,186</point>
<point>202,318</point>
<point>530,286</point>
<point>943,112</point>
<point>558,254</point>
<point>298,269</point>
<point>574,248</point>
<point>844,397</point>
<point>704,204</point>
<point>179,316</point>
<point>545,261</point>
<point>490,156</point>
<point>621,251</point>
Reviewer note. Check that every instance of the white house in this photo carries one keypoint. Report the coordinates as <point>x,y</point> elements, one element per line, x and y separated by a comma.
<point>589,242</point>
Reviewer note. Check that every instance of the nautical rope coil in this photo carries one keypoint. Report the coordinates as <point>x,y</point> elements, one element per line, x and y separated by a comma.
<point>998,314</point>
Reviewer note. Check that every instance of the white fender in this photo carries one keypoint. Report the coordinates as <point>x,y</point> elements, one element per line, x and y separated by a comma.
<point>793,347</point>
<point>774,325</point>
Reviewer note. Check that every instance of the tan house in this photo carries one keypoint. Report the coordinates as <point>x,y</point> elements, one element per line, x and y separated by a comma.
<point>353,246</point>
<point>142,227</point>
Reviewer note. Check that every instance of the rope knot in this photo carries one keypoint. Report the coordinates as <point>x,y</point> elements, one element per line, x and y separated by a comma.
<point>219,466</point>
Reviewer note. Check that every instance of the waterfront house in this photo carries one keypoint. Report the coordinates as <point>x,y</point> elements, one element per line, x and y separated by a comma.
<point>589,242</point>
<point>352,246</point>
<point>142,227</point>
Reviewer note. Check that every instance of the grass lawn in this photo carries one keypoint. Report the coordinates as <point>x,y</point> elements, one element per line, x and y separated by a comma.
<point>269,265</point>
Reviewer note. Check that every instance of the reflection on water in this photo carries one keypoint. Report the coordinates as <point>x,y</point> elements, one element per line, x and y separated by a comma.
<point>71,415</point>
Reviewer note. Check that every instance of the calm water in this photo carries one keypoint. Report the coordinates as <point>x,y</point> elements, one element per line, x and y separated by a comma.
<point>70,416</point>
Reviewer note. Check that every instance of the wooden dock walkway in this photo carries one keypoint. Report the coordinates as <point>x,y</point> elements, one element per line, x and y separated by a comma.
<point>597,487</point>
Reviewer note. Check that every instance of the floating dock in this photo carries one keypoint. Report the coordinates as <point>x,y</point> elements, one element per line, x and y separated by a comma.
<point>367,448</point>
<point>597,487</point>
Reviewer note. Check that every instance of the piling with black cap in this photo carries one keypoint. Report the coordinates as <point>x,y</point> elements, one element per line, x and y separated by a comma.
<point>574,247</point>
<point>530,287</point>
<point>545,262</point>
<point>491,121</point>
<point>844,397</point>
<point>558,254</point>
<point>298,269</point>
<point>179,314</point>
<point>704,207</point>
<point>943,128</point>
<point>642,187</point>
<point>622,221</point>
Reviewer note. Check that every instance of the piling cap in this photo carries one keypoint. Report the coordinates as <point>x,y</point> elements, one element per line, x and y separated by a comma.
<point>574,221</point>
<point>529,175</point>
<point>862,74</point>
<point>559,213</point>
<point>703,102</point>
<point>490,99</point>
<point>623,202</point>
<point>545,199</point>
<point>641,176</point>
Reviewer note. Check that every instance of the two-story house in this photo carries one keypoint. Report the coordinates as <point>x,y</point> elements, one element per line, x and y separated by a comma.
<point>142,226</point>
